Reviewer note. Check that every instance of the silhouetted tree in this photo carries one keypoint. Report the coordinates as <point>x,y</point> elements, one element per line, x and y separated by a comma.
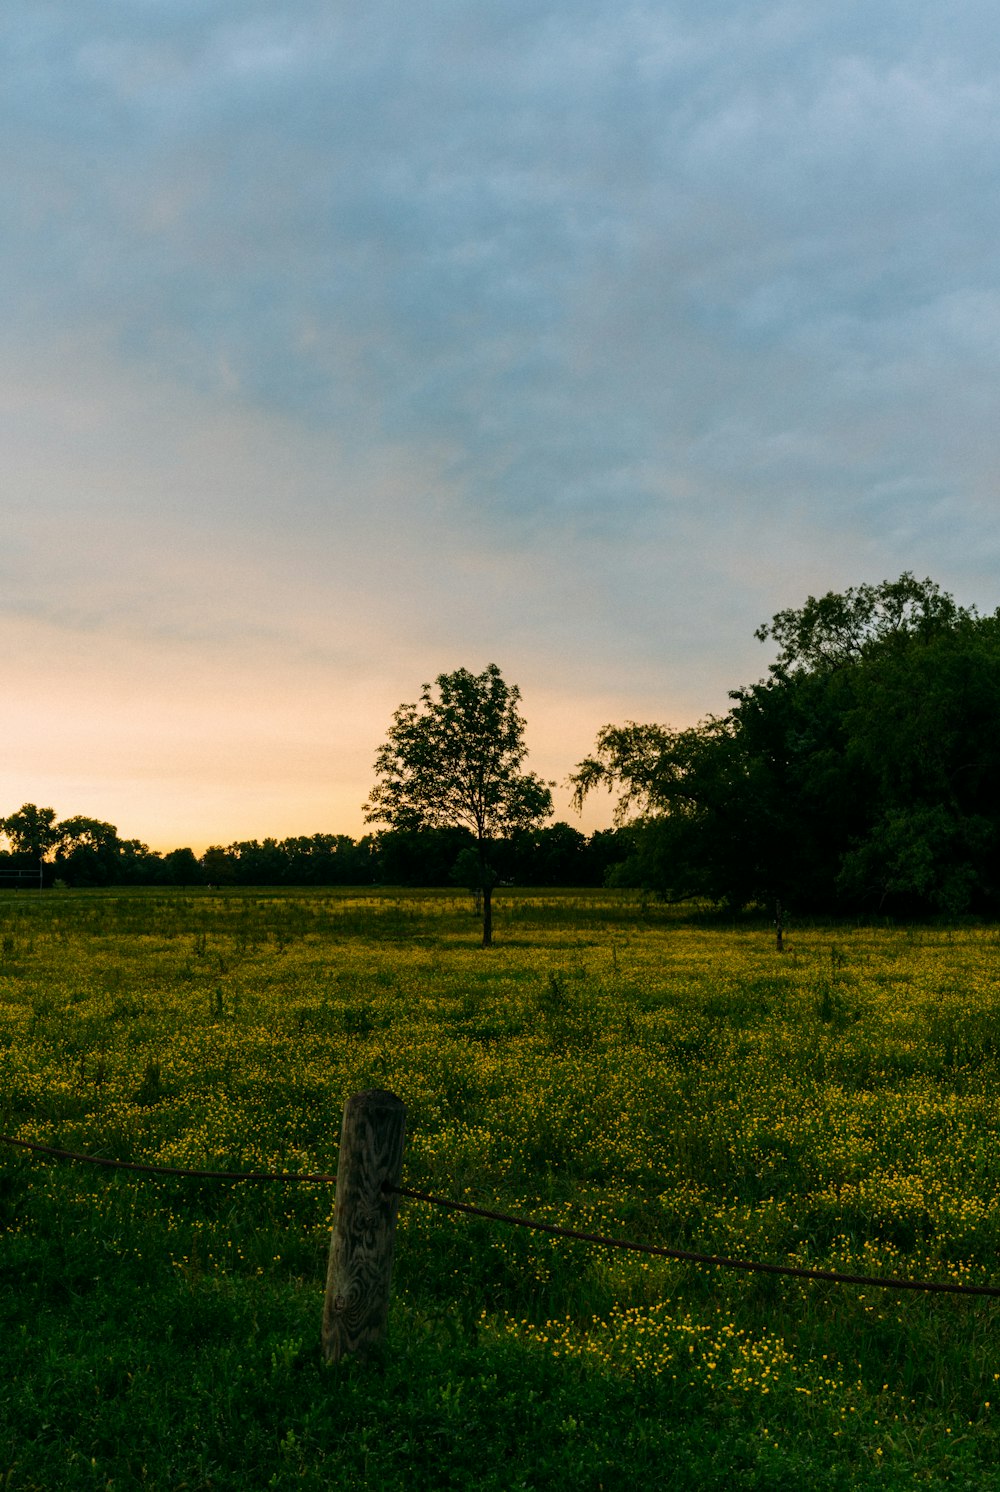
<point>864,770</point>
<point>89,852</point>
<point>454,759</point>
<point>31,830</point>
<point>181,868</point>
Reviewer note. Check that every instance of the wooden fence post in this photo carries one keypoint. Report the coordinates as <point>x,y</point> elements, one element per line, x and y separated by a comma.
<point>356,1307</point>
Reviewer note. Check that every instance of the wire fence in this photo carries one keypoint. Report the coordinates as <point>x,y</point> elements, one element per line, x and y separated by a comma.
<point>156,1170</point>
<point>690,1256</point>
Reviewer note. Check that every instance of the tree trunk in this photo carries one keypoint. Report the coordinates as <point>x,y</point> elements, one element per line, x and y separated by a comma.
<point>487,916</point>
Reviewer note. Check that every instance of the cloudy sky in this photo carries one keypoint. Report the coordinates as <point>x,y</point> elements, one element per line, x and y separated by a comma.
<point>344,345</point>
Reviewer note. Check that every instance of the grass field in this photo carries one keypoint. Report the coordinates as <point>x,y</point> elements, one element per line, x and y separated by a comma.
<point>613,1067</point>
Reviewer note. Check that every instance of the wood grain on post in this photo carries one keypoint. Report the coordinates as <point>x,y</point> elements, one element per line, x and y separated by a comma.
<point>356,1307</point>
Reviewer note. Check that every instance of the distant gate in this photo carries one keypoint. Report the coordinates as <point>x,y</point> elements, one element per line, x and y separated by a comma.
<point>18,876</point>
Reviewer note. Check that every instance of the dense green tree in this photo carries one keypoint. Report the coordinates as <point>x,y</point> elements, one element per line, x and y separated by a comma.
<point>606,849</point>
<point>326,860</point>
<point>258,862</point>
<point>31,831</point>
<point>421,857</point>
<point>838,629</point>
<point>302,860</point>
<point>555,855</point>
<point>454,759</point>
<point>89,852</point>
<point>138,864</point>
<point>219,866</point>
<point>863,770</point>
<point>82,851</point>
<point>181,868</point>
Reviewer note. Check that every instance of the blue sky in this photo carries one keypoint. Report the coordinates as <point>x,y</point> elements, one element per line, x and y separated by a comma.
<point>342,346</point>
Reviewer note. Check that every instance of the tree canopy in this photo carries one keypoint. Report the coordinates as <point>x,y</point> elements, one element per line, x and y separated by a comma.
<point>453,760</point>
<point>32,830</point>
<point>862,772</point>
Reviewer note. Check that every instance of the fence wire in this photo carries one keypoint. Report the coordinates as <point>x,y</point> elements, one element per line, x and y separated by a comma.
<point>753,1266</point>
<point>154,1170</point>
<point>689,1256</point>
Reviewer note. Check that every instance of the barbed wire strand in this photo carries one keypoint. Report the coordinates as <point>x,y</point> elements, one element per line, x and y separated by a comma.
<point>154,1170</point>
<point>754,1266</point>
<point>689,1256</point>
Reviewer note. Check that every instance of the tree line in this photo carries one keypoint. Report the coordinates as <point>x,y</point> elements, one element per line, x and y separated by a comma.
<point>88,852</point>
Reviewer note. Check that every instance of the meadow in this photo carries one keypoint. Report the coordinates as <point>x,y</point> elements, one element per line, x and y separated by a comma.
<point>610,1065</point>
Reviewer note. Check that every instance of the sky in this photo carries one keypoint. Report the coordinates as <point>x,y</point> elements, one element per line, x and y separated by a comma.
<point>343,346</point>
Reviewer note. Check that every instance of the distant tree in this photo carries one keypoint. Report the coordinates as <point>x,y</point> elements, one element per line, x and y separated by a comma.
<point>327,860</point>
<point>454,760</point>
<point>553,856</point>
<point>218,865</point>
<point>32,831</point>
<point>138,864</point>
<point>89,852</point>
<point>421,857</point>
<point>259,863</point>
<point>181,868</point>
<point>301,860</point>
<point>606,849</point>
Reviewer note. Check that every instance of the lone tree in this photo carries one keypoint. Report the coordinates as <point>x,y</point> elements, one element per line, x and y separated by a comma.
<point>454,758</point>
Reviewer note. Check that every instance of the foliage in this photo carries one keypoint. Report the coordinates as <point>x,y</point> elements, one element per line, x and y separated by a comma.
<point>90,853</point>
<point>453,760</point>
<point>420,857</point>
<point>31,830</point>
<point>837,630</point>
<point>78,850</point>
<point>862,772</point>
<point>621,1069</point>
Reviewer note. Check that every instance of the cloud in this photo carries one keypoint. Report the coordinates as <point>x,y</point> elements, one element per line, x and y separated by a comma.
<point>363,343</point>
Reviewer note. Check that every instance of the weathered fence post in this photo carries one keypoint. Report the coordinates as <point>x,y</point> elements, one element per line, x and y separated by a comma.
<point>356,1307</point>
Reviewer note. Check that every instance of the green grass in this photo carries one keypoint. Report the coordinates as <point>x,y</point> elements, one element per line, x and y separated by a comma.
<point>608,1065</point>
